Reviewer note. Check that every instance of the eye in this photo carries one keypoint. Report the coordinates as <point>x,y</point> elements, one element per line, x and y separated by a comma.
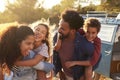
<point>93,32</point>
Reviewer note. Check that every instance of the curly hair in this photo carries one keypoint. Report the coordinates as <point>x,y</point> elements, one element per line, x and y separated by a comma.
<point>92,22</point>
<point>9,43</point>
<point>73,18</point>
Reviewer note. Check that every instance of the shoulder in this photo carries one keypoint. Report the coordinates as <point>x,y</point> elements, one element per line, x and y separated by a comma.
<point>81,31</point>
<point>97,40</point>
<point>44,45</point>
<point>80,37</point>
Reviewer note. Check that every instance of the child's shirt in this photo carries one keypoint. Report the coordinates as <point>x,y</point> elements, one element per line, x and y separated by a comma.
<point>97,45</point>
<point>42,50</point>
<point>43,65</point>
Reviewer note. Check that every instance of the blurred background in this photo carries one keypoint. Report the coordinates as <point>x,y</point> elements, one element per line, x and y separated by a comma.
<point>28,11</point>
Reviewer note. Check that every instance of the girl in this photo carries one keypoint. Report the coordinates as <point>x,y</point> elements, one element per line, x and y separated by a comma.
<point>15,43</point>
<point>42,50</point>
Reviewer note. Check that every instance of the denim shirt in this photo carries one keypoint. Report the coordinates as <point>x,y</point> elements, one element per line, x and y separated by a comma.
<point>83,51</point>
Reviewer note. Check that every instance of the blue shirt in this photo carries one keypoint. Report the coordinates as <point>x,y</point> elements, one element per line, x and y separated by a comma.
<point>83,51</point>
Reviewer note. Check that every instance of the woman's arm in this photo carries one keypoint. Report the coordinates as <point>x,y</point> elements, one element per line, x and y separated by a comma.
<point>32,62</point>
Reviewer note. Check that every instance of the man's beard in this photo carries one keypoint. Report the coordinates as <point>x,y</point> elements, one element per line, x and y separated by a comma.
<point>62,36</point>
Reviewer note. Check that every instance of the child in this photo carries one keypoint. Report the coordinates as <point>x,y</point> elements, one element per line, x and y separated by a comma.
<point>92,27</point>
<point>42,50</point>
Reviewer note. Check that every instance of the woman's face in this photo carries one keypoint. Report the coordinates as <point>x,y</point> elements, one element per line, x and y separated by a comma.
<point>40,33</point>
<point>26,45</point>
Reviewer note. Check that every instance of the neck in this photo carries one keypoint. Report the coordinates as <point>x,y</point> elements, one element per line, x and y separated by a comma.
<point>72,36</point>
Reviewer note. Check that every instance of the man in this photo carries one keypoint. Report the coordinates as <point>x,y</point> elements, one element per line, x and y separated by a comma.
<point>70,39</point>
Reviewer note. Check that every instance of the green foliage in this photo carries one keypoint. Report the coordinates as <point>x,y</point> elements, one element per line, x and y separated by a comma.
<point>111,6</point>
<point>27,12</point>
<point>7,17</point>
<point>58,9</point>
<point>23,11</point>
<point>91,7</point>
<point>66,4</point>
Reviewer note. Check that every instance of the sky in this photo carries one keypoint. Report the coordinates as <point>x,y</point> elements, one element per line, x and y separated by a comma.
<point>3,3</point>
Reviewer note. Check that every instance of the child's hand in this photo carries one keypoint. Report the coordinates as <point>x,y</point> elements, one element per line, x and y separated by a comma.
<point>69,64</point>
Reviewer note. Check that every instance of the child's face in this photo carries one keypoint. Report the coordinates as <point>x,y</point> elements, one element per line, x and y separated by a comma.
<point>91,33</point>
<point>40,33</point>
<point>26,45</point>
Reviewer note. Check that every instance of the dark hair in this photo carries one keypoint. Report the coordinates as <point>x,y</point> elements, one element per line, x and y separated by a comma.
<point>9,43</point>
<point>47,40</point>
<point>73,18</point>
<point>92,22</point>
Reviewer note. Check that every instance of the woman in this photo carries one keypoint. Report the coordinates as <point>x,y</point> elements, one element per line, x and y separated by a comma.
<point>15,44</point>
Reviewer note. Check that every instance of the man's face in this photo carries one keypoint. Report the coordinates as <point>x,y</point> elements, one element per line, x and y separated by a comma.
<point>64,29</point>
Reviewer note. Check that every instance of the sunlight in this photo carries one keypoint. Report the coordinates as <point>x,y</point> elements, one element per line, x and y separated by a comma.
<point>49,3</point>
<point>46,3</point>
<point>3,3</point>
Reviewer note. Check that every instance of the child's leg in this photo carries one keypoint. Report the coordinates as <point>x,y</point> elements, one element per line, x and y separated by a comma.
<point>41,75</point>
<point>44,66</point>
<point>88,73</point>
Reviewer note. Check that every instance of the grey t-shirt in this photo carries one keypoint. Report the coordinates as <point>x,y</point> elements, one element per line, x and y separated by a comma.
<point>42,50</point>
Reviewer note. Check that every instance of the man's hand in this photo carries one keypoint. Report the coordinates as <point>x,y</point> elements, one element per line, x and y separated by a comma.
<point>69,64</point>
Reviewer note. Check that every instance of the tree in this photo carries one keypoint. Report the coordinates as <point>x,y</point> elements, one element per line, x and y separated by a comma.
<point>7,17</point>
<point>58,9</point>
<point>26,11</point>
<point>66,4</point>
<point>111,6</point>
